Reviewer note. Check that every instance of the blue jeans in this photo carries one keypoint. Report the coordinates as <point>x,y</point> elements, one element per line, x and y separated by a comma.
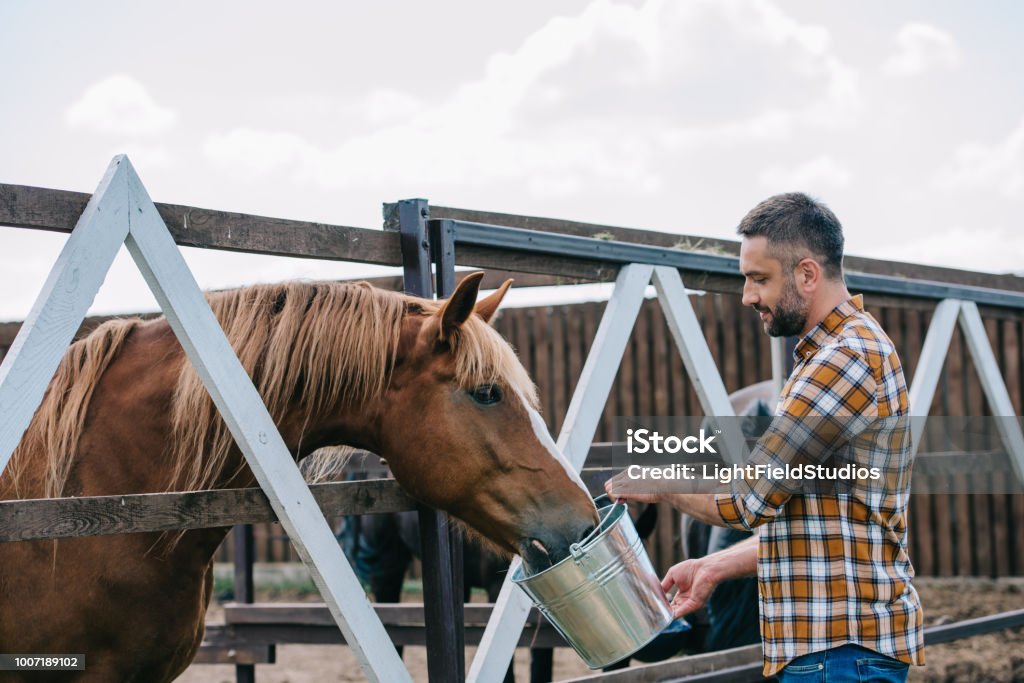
<point>844,664</point>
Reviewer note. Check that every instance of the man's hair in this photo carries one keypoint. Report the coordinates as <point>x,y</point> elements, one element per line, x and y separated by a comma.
<point>793,224</point>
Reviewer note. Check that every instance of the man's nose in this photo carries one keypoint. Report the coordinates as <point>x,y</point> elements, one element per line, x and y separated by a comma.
<point>749,298</point>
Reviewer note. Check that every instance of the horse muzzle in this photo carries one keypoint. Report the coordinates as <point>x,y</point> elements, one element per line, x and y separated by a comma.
<point>547,544</point>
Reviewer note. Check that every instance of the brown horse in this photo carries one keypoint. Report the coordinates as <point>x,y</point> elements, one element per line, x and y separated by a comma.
<point>428,385</point>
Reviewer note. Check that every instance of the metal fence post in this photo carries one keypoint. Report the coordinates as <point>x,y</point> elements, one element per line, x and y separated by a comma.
<point>445,654</point>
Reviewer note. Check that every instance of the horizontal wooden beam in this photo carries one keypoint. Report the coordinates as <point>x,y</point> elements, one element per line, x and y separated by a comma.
<point>223,636</point>
<point>316,614</point>
<point>43,518</point>
<point>58,211</point>
<point>26,520</point>
<point>236,654</point>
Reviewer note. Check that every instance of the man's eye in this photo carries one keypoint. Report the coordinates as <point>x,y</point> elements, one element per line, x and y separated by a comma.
<point>486,395</point>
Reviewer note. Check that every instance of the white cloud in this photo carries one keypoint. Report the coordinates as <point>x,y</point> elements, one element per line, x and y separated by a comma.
<point>386,106</point>
<point>978,166</point>
<point>119,104</point>
<point>256,153</point>
<point>595,101</point>
<point>921,47</point>
<point>989,249</point>
<point>822,172</point>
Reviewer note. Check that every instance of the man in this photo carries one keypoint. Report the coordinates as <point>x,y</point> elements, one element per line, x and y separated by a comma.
<point>835,597</point>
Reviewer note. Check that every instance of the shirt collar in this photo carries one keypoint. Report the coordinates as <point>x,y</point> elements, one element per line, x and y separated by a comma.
<point>828,327</point>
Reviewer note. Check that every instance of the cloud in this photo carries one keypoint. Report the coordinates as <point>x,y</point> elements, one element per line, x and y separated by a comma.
<point>256,153</point>
<point>920,48</point>
<point>822,172</point>
<point>998,167</point>
<point>959,247</point>
<point>119,104</point>
<point>600,100</point>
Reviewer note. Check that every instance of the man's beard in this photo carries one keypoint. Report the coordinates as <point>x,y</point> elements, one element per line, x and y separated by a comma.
<point>790,315</point>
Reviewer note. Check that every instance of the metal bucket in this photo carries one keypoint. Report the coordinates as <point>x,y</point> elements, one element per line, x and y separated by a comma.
<point>605,598</point>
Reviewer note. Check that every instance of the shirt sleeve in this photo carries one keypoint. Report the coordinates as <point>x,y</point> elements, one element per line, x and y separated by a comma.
<point>830,401</point>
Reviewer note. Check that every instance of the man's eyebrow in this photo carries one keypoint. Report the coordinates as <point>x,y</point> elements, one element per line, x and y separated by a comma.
<point>752,273</point>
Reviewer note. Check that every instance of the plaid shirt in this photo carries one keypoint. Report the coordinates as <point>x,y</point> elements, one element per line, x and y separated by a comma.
<point>833,566</point>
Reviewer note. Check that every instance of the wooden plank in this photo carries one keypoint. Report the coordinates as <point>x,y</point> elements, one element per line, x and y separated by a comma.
<point>968,628</point>
<point>245,655</point>
<point>962,541</point>
<point>980,523</point>
<point>623,398</point>
<point>541,334</point>
<point>660,365</point>
<point>57,210</point>
<point>25,520</point>
<point>931,361</point>
<point>575,352</point>
<point>69,290</point>
<point>1014,347</point>
<point>1017,503</point>
<point>732,360</point>
<point>643,379</point>
<point>317,614</point>
<point>254,635</point>
<point>556,364</point>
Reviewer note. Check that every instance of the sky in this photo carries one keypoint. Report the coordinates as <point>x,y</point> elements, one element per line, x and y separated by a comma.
<point>906,118</point>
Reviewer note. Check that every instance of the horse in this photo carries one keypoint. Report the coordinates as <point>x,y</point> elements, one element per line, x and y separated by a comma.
<point>429,385</point>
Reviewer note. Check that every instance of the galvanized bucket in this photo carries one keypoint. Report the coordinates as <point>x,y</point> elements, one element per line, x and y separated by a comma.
<point>605,598</point>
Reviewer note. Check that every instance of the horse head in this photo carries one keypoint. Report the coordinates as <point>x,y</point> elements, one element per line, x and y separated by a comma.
<point>459,426</point>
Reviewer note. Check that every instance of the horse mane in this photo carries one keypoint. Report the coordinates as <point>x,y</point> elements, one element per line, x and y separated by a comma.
<point>306,345</point>
<point>60,418</point>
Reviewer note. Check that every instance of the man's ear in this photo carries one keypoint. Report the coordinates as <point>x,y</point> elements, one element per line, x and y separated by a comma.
<point>487,307</point>
<point>459,306</point>
<point>808,275</point>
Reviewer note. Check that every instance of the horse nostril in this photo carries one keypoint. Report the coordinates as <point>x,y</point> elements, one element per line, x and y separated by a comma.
<point>586,532</point>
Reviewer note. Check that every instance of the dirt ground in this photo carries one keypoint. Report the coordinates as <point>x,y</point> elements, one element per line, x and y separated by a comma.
<point>997,657</point>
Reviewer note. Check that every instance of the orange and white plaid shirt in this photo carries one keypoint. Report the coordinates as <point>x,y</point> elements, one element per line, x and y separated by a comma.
<point>832,565</point>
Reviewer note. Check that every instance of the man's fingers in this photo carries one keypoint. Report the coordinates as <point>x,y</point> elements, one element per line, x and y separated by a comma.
<point>681,608</point>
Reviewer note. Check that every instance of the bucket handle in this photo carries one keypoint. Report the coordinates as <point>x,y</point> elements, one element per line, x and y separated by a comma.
<point>576,549</point>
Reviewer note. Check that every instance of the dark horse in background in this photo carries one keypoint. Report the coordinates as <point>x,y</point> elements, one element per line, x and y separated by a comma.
<point>429,385</point>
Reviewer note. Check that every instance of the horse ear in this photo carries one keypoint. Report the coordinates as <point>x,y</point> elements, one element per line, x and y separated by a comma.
<point>459,306</point>
<point>486,308</point>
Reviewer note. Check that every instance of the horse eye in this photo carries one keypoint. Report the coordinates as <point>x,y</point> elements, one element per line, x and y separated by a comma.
<point>486,395</point>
